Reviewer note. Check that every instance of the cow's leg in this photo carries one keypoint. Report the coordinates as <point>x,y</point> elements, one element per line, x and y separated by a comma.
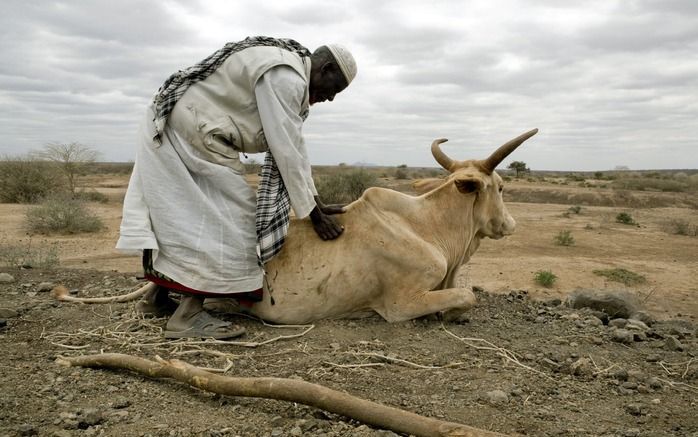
<point>398,307</point>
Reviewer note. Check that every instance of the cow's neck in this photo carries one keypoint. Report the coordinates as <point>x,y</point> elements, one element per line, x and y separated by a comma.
<point>451,223</point>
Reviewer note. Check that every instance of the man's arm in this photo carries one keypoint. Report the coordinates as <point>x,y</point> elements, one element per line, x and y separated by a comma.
<point>279,94</point>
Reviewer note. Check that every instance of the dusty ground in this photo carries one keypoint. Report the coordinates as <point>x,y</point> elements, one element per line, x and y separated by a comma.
<point>580,382</point>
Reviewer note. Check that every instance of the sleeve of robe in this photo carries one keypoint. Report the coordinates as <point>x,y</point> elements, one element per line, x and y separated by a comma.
<point>279,94</point>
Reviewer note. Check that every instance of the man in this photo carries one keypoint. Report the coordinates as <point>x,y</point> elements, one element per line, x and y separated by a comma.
<point>201,228</point>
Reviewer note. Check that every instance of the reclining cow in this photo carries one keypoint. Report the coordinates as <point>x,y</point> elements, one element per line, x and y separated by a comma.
<point>399,255</point>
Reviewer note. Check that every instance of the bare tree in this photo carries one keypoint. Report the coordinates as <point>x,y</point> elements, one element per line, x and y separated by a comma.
<point>71,158</point>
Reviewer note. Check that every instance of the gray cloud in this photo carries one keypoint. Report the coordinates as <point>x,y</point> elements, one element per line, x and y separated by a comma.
<point>607,83</point>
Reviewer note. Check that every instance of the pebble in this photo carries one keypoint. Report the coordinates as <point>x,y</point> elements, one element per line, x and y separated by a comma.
<point>296,431</point>
<point>6,313</point>
<point>654,383</point>
<point>27,429</point>
<point>276,432</point>
<point>617,323</point>
<point>3,323</point>
<point>644,317</point>
<point>620,375</point>
<point>636,409</point>
<point>637,325</point>
<point>45,286</point>
<point>6,278</point>
<point>121,403</point>
<point>653,358</point>
<point>622,335</point>
<point>673,344</point>
<point>497,397</point>
<point>581,367</point>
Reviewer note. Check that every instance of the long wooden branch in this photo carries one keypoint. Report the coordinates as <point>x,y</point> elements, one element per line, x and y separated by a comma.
<point>306,393</point>
<point>61,293</point>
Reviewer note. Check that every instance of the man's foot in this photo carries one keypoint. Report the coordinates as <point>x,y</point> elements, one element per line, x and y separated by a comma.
<point>157,303</point>
<point>204,325</point>
<point>191,321</point>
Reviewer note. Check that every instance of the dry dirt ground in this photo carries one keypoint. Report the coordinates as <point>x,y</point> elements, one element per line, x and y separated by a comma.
<point>524,363</point>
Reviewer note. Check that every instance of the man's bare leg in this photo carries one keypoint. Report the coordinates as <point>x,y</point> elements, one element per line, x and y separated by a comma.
<point>190,320</point>
<point>157,302</point>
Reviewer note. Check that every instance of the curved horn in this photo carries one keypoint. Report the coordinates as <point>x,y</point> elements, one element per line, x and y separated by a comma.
<point>439,155</point>
<point>498,155</point>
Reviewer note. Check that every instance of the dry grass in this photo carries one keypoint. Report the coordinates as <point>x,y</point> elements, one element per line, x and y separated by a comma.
<point>621,275</point>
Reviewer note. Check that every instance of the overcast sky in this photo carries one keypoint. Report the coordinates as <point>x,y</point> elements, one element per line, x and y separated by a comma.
<point>608,83</point>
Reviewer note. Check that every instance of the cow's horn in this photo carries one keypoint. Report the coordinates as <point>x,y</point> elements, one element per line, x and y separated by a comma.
<point>439,155</point>
<point>498,155</point>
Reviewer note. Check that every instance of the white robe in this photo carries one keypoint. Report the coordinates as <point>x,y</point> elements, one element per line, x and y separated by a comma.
<point>199,217</point>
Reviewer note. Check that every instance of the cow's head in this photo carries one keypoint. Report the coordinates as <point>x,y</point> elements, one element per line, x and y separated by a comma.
<point>477,178</point>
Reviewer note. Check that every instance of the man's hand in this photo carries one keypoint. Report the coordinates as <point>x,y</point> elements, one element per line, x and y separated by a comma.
<point>325,225</point>
<point>329,209</point>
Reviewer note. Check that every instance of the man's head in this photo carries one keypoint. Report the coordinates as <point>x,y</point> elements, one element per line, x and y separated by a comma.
<point>333,68</point>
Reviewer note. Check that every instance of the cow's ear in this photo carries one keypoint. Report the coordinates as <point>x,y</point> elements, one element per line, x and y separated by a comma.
<point>422,186</point>
<point>469,185</point>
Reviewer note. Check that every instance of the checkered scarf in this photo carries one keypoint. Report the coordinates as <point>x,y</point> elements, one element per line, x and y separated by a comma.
<point>175,86</point>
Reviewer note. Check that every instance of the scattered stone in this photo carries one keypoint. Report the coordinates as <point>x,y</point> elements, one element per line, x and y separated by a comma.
<point>6,313</point>
<point>296,431</point>
<point>27,429</point>
<point>27,285</point>
<point>615,304</point>
<point>90,417</point>
<point>620,375</point>
<point>636,409</point>
<point>673,344</point>
<point>594,321</point>
<point>3,323</point>
<point>654,383</point>
<point>121,403</point>
<point>622,336</point>
<point>581,367</point>
<point>45,286</point>
<point>497,397</point>
<point>6,278</point>
<point>644,317</point>
<point>653,358</point>
<point>618,323</point>
<point>335,346</point>
<point>631,432</point>
<point>637,325</point>
<point>554,302</point>
<point>276,432</point>
<point>600,315</point>
<point>540,319</point>
<point>629,385</point>
<point>639,336</point>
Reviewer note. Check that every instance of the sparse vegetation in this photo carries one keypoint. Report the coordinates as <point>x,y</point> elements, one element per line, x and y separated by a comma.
<point>71,158</point>
<point>625,219</point>
<point>682,227</point>
<point>91,196</point>
<point>621,275</point>
<point>28,255</point>
<point>576,209</point>
<point>400,173</point>
<point>345,187</point>
<point>519,167</point>
<point>64,215</point>
<point>564,238</point>
<point>27,180</point>
<point>545,278</point>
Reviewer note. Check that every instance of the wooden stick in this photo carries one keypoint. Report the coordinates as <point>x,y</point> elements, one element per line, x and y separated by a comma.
<point>62,293</point>
<point>291,390</point>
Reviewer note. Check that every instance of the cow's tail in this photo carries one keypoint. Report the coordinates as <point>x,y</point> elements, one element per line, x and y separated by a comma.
<point>62,293</point>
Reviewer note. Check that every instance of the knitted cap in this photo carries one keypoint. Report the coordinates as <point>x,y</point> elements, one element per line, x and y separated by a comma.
<point>345,60</point>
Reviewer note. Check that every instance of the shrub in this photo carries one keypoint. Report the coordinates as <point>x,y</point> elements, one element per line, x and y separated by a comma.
<point>28,180</point>
<point>62,214</point>
<point>344,187</point>
<point>576,209</point>
<point>400,173</point>
<point>18,255</point>
<point>621,275</point>
<point>682,227</point>
<point>545,278</point>
<point>625,219</point>
<point>91,196</point>
<point>564,238</point>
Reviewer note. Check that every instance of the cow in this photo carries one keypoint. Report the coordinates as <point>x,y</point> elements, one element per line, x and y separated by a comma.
<point>399,255</point>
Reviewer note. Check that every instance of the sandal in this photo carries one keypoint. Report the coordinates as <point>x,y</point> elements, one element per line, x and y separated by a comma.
<point>205,325</point>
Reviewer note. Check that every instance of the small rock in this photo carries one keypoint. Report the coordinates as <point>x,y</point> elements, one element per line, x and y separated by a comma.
<point>593,321</point>
<point>644,317</point>
<point>3,323</point>
<point>654,383</point>
<point>27,285</point>
<point>653,358</point>
<point>581,367</point>
<point>637,325</point>
<point>597,340</point>
<point>620,375</point>
<point>615,304</point>
<point>121,403</point>
<point>6,278</point>
<point>673,344</point>
<point>276,432</point>
<point>636,409</point>
<point>600,315</point>
<point>639,336</point>
<point>6,313</point>
<point>90,417</point>
<point>335,346</point>
<point>497,397</point>
<point>45,286</point>
<point>631,432</point>
<point>540,319</point>
<point>276,421</point>
<point>617,323</point>
<point>622,336</point>
<point>27,429</point>
<point>628,385</point>
<point>296,431</point>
